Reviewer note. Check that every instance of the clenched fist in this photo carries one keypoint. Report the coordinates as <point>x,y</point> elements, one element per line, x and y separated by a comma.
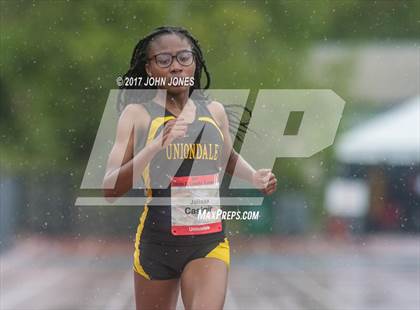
<point>175,128</point>
<point>265,181</point>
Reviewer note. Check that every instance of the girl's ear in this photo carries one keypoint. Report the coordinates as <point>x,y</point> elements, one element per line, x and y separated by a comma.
<point>147,67</point>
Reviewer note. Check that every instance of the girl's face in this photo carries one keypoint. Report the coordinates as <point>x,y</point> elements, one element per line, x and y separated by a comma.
<point>171,44</point>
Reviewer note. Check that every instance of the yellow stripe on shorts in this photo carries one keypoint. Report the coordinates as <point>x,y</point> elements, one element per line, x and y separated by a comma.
<point>221,252</point>
<point>137,266</point>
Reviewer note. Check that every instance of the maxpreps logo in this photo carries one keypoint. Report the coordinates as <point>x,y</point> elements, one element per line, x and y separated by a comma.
<point>206,215</point>
<point>284,123</point>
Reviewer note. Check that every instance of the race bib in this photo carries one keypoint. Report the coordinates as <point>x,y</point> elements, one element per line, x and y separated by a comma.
<point>195,202</point>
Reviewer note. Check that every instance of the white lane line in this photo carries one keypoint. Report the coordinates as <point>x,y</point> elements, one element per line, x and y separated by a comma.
<point>36,284</point>
<point>180,304</point>
<point>230,302</point>
<point>308,286</point>
<point>277,292</point>
<point>122,295</point>
<point>288,302</point>
<point>252,290</point>
<point>20,255</point>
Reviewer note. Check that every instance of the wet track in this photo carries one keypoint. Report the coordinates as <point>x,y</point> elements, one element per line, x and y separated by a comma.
<point>378,272</point>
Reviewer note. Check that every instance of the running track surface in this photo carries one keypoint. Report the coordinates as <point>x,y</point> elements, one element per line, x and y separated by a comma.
<point>312,272</point>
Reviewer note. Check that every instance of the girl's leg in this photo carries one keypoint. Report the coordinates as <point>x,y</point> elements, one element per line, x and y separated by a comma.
<point>204,283</point>
<point>155,294</point>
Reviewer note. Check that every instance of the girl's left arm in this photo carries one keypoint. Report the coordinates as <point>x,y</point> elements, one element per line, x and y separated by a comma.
<point>263,179</point>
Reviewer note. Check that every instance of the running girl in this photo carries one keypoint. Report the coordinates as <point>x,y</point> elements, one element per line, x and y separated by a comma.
<point>172,251</point>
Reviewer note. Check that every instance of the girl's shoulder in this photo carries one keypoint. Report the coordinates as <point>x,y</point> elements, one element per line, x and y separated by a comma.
<point>217,110</point>
<point>136,113</point>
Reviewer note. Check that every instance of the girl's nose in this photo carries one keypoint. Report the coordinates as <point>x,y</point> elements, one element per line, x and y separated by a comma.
<point>175,66</point>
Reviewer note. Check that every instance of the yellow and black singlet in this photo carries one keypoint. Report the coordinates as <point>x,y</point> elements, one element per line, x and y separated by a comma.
<point>195,158</point>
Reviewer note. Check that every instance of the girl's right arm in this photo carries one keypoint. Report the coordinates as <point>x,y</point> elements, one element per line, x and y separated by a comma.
<point>119,172</point>
<point>123,166</point>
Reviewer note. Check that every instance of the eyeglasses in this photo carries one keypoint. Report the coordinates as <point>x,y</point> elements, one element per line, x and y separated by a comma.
<point>164,60</point>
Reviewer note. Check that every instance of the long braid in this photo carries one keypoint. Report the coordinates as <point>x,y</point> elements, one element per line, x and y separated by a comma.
<point>137,70</point>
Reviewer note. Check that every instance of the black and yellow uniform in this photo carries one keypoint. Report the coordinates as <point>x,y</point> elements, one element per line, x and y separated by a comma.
<point>159,253</point>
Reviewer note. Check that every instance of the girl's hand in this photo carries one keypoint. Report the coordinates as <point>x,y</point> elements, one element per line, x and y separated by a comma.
<point>175,128</point>
<point>265,181</point>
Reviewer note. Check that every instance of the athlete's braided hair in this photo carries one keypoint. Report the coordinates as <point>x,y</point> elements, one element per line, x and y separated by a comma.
<point>137,69</point>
